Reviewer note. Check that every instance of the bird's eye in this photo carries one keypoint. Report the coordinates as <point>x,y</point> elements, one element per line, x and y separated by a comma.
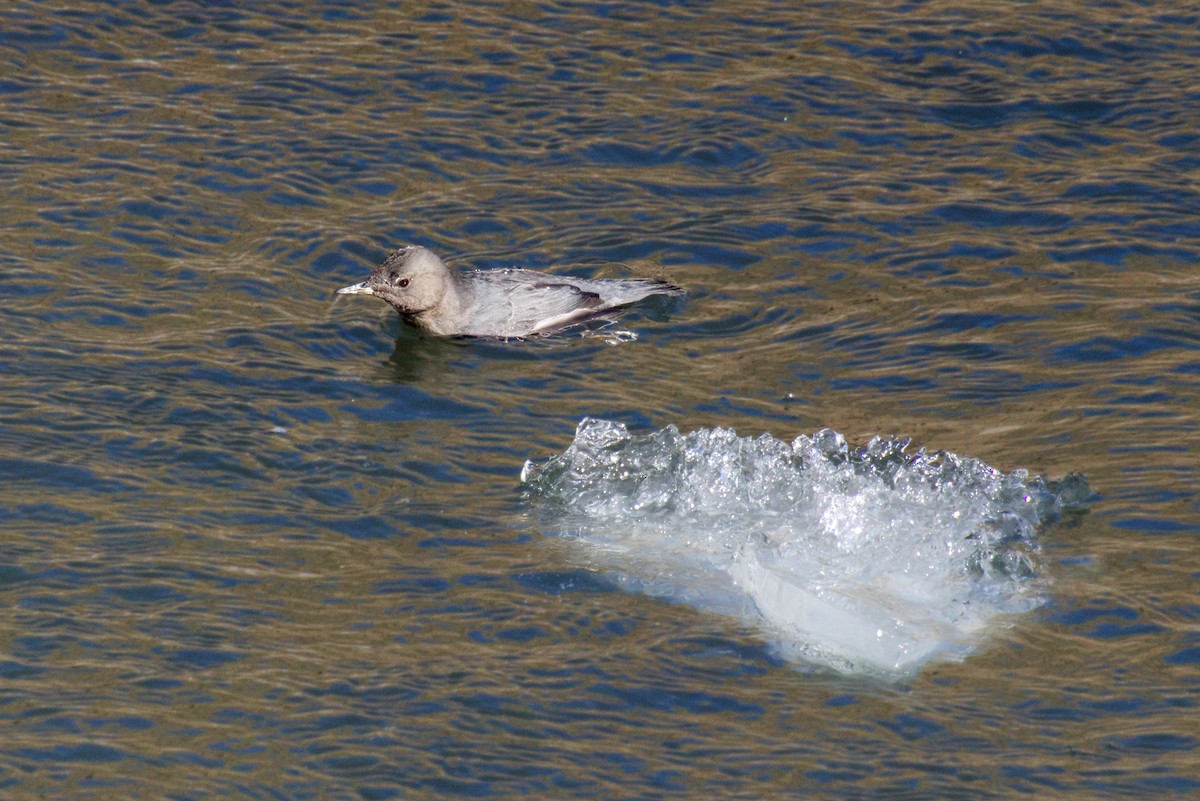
<point>403,282</point>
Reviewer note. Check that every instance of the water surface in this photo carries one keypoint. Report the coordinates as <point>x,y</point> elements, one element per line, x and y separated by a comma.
<point>261,542</point>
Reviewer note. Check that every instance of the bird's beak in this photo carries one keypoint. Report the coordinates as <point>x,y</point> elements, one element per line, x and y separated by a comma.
<point>356,289</point>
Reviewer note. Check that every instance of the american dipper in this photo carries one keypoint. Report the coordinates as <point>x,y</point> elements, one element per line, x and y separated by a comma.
<point>495,303</point>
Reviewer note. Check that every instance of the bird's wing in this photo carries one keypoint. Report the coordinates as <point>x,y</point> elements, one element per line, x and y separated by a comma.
<point>547,306</point>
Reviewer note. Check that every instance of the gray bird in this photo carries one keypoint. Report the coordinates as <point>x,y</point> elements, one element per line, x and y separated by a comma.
<point>495,303</point>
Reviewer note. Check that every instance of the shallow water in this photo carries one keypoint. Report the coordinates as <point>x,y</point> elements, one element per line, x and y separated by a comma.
<point>262,542</point>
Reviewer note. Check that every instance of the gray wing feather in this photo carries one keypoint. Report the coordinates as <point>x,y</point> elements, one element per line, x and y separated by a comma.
<point>518,303</point>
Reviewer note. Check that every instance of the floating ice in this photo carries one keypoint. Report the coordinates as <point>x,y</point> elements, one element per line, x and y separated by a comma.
<point>871,559</point>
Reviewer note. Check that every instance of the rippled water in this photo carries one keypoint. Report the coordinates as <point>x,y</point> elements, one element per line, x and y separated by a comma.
<point>260,542</point>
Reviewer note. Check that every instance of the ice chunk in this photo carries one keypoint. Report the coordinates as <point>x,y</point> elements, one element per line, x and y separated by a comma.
<point>862,559</point>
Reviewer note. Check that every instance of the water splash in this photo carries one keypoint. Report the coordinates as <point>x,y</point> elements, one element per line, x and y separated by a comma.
<point>870,559</point>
